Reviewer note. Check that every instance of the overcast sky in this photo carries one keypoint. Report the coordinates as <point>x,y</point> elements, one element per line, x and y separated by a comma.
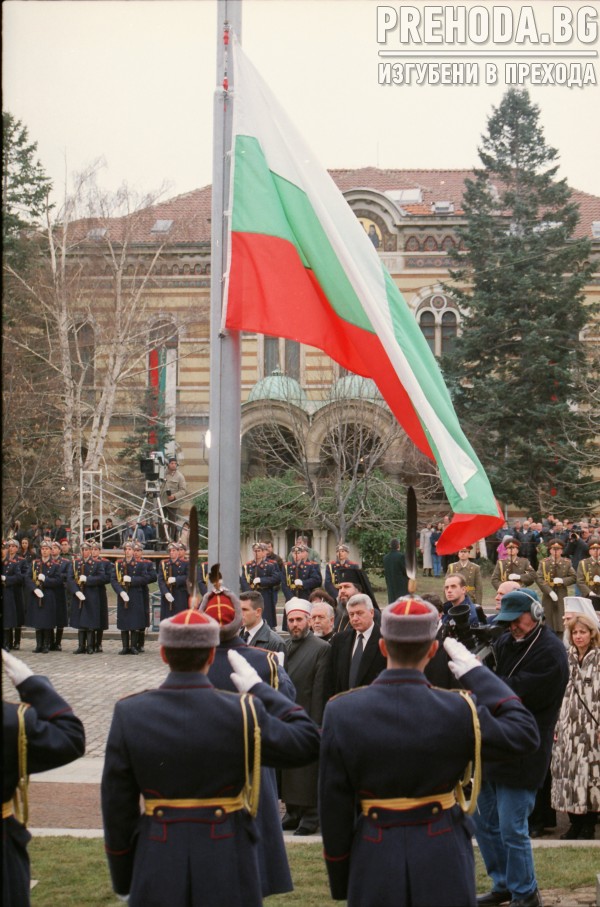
<point>131,81</point>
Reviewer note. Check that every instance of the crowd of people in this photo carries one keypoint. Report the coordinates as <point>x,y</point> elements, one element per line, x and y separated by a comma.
<point>540,706</point>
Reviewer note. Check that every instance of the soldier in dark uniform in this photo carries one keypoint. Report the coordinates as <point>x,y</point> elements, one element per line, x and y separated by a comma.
<point>225,608</point>
<point>91,580</point>
<point>128,579</point>
<point>300,577</point>
<point>172,582</point>
<point>43,584</point>
<point>39,734</point>
<point>62,611</point>
<point>588,575</point>
<point>73,572</point>
<point>262,576</point>
<point>194,752</point>
<point>411,842</point>
<point>12,595</point>
<point>104,570</point>
<point>334,568</point>
<point>513,567</point>
<point>148,565</point>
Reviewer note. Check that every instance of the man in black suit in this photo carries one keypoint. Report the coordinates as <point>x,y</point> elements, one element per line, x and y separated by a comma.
<point>355,656</point>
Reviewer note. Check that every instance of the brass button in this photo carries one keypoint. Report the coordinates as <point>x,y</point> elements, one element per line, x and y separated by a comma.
<point>435,810</point>
<point>159,812</point>
<point>374,815</point>
<point>218,813</point>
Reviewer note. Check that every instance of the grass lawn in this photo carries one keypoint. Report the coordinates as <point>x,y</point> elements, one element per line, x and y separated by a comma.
<point>73,871</point>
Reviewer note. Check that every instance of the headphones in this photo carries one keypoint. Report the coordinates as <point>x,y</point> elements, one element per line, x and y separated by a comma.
<point>536,609</point>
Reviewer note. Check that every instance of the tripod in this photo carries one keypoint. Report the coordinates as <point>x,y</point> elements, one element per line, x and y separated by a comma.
<point>153,505</point>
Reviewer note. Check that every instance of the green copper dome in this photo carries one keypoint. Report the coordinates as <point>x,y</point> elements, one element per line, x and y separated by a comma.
<point>279,387</point>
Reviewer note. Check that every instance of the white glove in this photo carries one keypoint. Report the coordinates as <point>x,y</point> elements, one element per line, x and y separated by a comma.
<point>256,580</point>
<point>171,580</point>
<point>243,676</point>
<point>298,582</point>
<point>126,579</point>
<point>597,579</point>
<point>515,577</point>
<point>124,596</point>
<point>554,596</point>
<point>83,578</point>
<point>461,660</point>
<point>169,597</point>
<point>16,670</point>
<point>80,596</point>
<point>38,592</point>
<point>3,578</point>
<point>41,577</point>
<point>558,581</point>
<point>124,898</point>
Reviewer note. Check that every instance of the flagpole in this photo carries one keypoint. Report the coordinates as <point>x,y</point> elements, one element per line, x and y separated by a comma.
<point>225,360</point>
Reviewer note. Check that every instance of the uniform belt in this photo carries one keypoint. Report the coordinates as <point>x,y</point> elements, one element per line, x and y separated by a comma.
<point>227,804</point>
<point>8,809</point>
<point>445,801</point>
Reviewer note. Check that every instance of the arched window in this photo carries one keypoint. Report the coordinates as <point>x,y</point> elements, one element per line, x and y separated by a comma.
<point>449,332</point>
<point>427,325</point>
<point>438,317</point>
<point>282,355</point>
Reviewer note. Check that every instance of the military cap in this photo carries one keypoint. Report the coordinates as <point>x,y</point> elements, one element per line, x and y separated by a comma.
<point>172,545</point>
<point>342,547</point>
<point>298,604</point>
<point>409,619</point>
<point>225,608</point>
<point>11,542</point>
<point>556,543</point>
<point>510,540</point>
<point>86,544</point>
<point>593,544</point>
<point>189,630</point>
<point>45,543</point>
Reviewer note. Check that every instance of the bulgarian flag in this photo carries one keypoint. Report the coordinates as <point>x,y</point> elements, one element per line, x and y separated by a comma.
<point>301,266</point>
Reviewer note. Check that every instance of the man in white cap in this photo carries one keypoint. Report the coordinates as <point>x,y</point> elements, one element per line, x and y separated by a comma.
<point>307,660</point>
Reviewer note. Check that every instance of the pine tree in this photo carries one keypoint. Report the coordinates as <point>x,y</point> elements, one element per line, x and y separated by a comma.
<point>514,371</point>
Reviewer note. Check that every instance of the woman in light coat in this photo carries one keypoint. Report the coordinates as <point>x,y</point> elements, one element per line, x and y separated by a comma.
<point>576,754</point>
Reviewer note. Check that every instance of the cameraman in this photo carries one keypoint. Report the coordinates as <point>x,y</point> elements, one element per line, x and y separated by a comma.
<point>173,489</point>
<point>532,660</point>
<point>576,548</point>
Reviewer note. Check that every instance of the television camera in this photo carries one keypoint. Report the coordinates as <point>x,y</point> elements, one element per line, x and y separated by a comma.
<point>154,468</point>
<point>478,639</point>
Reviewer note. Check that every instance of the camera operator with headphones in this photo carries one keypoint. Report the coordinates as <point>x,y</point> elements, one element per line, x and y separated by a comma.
<point>532,660</point>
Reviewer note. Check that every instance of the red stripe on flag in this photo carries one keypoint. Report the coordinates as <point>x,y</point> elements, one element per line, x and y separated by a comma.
<point>271,292</point>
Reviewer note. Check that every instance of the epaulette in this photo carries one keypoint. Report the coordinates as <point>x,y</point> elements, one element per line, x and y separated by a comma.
<point>347,692</point>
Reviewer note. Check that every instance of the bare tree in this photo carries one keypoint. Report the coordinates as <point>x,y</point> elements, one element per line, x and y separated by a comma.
<point>90,298</point>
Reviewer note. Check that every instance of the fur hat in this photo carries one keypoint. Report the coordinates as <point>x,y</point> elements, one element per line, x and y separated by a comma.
<point>189,630</point>
<point>409,619</point>
<point>225,608</point>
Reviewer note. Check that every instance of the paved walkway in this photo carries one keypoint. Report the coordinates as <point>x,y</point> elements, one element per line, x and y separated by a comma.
<point>67,800</point>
